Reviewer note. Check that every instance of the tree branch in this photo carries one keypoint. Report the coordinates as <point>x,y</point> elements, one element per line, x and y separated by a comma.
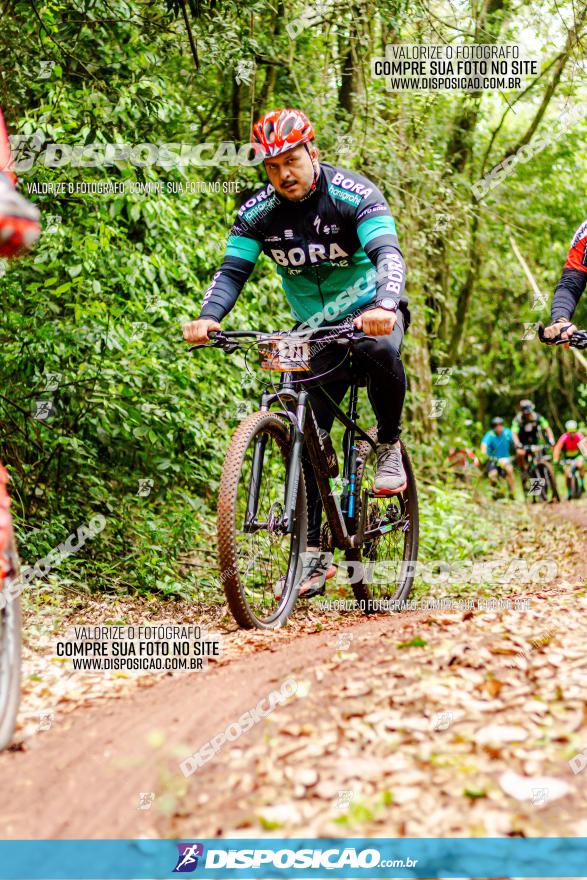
<point>188,28</point>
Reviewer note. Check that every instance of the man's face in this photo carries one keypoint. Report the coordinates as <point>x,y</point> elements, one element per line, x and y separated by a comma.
<point>498,429</point>
<point>292,173</point>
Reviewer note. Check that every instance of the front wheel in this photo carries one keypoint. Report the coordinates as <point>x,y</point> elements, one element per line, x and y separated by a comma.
<point>548,489</point>
<point>575,487</point>
<point>10,649</point>
<point>259,560</point>
<point>386,563</point>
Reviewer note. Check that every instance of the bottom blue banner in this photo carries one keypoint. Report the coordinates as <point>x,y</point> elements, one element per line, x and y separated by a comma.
<point>272,857</point>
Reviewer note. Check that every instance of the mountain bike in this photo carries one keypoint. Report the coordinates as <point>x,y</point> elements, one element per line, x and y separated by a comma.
<point>262,510</point>
<point>10,620</point>
<point>538,480</point>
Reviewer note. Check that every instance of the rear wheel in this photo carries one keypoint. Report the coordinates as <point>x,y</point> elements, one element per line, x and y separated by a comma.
<point>258,561</point>
<point>10,650</point>
<point>386,572</point>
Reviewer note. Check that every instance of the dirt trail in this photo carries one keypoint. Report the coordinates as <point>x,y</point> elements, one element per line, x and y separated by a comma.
<point>428,723</point>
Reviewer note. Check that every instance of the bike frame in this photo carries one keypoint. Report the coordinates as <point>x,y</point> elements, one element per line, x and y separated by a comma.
<point>535,455</point>
<point>501,471</point>
<point>304,429</point>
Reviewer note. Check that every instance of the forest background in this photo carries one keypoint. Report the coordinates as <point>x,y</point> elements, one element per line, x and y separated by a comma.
<point>101,408</point>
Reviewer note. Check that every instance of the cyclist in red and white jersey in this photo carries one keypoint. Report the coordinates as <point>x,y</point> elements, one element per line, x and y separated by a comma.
<point>19,230</point>
<point>569,289</point>
<point>19,219</point>
<point>569,449</point>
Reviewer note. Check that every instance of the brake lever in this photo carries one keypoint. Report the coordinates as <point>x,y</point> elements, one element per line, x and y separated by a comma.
<point>545,341</point>
<point>214,341</point>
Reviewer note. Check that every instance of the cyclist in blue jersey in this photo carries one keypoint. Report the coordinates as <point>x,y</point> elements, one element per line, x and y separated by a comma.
<point>333,239</point>
<point>498,445</point>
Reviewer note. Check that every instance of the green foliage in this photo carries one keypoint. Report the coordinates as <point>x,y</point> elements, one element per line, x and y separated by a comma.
<point>100,302</point>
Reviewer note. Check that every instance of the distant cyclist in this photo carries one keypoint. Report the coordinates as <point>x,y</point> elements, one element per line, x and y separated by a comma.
<point>462,460</point>
<point>568,451</point>
<point>569,289</point>
<point>498,445</point>
<point>530,428</point>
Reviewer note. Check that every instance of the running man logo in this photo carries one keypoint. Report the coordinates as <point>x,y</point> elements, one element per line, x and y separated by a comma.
<point>537,484</point>
<point>188,855</point>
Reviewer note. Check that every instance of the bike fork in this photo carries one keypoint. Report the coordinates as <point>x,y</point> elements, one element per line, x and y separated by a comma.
<point>295,464</point>
<point>255,481</point>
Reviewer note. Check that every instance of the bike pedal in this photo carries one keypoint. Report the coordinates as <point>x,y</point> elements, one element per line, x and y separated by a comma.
<point>313,591</point>
<point>386,493</point>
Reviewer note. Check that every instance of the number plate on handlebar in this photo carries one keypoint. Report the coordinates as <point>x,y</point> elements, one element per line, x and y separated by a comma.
<point>285,355</point>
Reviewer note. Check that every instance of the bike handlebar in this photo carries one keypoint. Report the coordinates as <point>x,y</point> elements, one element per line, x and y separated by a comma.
<point>222,338</point>
<point>577,340</point>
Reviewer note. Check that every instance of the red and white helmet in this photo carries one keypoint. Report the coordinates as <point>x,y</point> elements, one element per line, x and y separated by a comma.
<point>281,130</point>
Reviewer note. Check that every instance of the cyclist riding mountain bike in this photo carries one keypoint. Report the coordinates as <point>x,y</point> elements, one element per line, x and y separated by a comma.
<point>568,451</point>
<point>333,239</point>
<point>19,219</point>
<point>19,229</point>
<point>498,445</point>
<point>569,289</point>
<point>462,460</point>
<point>529,428</point>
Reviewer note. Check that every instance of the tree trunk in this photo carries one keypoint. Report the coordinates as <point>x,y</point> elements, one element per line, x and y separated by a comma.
<point>235,109</point>
<point>422,424</point>
<point>465,293</point>
<point>347,90</point>
<point>459,151</point>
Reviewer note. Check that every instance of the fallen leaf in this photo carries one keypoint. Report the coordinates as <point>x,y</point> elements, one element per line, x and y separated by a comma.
<point>416,642</point>
<point>525,788</point>
<point>501,733</point>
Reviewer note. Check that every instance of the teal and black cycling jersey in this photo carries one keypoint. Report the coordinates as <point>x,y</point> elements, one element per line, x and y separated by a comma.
<point>336,250</point>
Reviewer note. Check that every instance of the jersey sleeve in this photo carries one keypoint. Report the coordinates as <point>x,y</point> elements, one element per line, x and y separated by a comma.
<point>573,280</point>
<point>242,250</point>
<point>378,236</point>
